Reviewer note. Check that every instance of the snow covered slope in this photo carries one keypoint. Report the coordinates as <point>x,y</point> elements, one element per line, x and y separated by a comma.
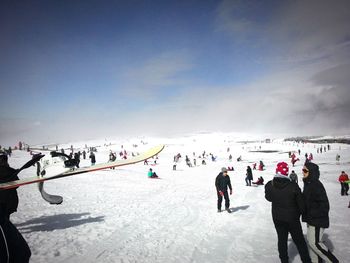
<point>122,216</point>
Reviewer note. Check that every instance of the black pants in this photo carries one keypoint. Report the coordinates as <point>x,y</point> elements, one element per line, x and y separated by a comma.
<point>248,181</point>
<point>227,200</point>
<point>13,247</point>
<point>295,230</point>
<point>344,188</point>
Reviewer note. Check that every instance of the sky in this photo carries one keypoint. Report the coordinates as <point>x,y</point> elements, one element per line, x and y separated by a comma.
<point>89,69</point>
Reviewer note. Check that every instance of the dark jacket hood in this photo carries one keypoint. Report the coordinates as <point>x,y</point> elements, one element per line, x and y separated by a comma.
<point>280,182</point>
<point>314,172</point>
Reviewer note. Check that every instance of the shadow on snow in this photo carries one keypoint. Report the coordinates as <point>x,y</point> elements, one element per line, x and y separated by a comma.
<point>54,222</point>
<point>243,207</point>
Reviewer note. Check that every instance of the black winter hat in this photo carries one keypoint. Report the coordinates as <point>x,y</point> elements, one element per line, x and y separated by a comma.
<point>314,170</point>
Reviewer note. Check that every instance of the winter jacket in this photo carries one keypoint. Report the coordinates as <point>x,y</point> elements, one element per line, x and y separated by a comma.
<point>222,182</point>
<point>293,177</point>
<point>315,198</point>
<point>286,198</point>
<point>9,197</point>
<point>249,174</point>
<point>343,178</point>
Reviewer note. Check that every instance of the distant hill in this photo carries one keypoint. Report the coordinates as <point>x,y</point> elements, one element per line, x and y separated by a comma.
<point>319,139</point>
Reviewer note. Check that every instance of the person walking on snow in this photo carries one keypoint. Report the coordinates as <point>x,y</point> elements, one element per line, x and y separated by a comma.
<point>343,180</point>
<point>287,206</point>
<point>223,181</point>
<point>93,158</point>
<point>249,176</point>
<point>316,213</point>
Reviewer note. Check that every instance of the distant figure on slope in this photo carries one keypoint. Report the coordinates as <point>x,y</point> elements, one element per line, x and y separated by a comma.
<point>223,181</point>
<point>343,180</point>
<point>261,166</point>
<point>188,162</point>
<point>77,159</point>
<point>260,181</point>
<point>311,157</point>
<point>112,158</point>
<point>316,213</point>
<point>337,158</point>
<point>293,177</point>
<point>254,166</point>
<point>287,205</point>
<point>93,158</point>
<point>151,174</point>
<point>249,176</point>
<point>294,159</point>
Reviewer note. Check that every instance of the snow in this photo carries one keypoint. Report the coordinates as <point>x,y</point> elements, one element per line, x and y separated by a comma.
<point>122,216</point>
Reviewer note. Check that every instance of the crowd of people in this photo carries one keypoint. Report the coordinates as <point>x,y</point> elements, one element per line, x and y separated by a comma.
<point>289,203</point>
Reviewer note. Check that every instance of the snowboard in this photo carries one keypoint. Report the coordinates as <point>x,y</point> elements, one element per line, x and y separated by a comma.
<point>37,179</point>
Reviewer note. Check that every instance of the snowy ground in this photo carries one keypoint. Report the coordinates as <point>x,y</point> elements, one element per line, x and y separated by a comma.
<point>122,216</point>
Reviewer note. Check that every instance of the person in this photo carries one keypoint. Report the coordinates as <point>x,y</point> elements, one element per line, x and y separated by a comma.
<point>260,181</point>
<point>337,158</point>
<point>287,205</point>
<point>249,176</point>
<point>8,198</point>
<point>93,158</point>
<point>293,177</point>
<point>13,247</point>
<point>316,213</point>
<point>261,166</point>
<point>254,166</point>
<point>343,180</point>
<point>151,174</point>
<point>223,181</point>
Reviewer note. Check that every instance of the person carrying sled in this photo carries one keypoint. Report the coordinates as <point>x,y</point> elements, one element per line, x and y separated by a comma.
<point>316,213</point>
<point>222,182</point>
<point>287,206</point>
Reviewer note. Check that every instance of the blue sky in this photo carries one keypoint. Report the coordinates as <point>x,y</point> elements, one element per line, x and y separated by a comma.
<point>85,69</point>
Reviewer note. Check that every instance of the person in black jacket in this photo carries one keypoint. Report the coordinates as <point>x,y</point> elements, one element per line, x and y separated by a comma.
<point>287,206</point>
<point>13,247</point>
<point>316,214</point>
<point>249,176</point>
<point>8,198</point>
<point>223,181</point>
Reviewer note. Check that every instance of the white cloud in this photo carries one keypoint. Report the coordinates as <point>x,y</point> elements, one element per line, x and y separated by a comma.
<point>157,74</point>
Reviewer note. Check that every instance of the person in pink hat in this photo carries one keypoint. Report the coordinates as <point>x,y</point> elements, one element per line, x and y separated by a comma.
<point>287,205</point>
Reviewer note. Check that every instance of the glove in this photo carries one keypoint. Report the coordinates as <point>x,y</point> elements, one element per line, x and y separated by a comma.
<point>230,192</point>
<point>221,193</point>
